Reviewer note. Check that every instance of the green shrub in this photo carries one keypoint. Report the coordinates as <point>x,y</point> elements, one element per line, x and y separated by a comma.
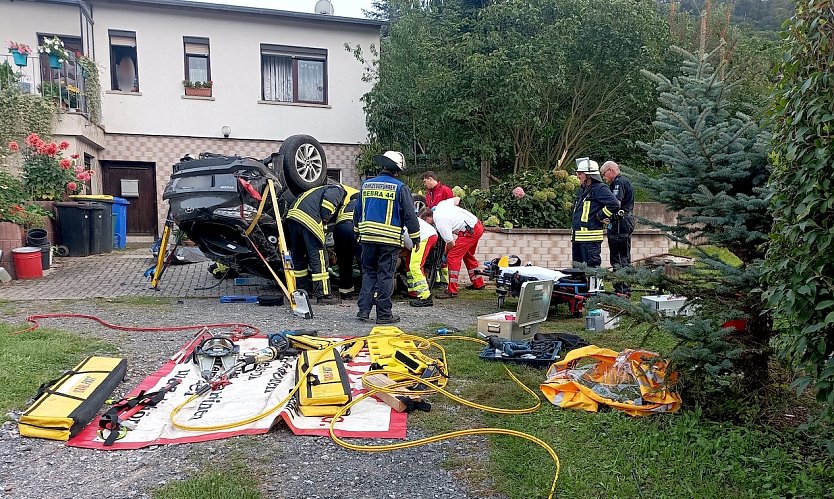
<point>544,200</point>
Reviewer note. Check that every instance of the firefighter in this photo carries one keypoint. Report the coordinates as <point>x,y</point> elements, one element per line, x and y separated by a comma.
<point>622,222</point>
<point>418,286</point>
<point>384,207</point>
<point>347,248</point>
<point>306,221</point>
<point>595,204</point>
<point>462,230</point>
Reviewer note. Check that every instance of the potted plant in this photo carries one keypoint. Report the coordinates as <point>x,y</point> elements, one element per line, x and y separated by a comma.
<point>197,88</point>
<point>54,49</point>
<point>20,52</point>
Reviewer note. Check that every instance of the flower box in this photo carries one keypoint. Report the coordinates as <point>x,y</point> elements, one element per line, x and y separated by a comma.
<point>198,92</point>
<point>20,59</point>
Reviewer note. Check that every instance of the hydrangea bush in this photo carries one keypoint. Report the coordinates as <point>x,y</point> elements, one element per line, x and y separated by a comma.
<point>532,199</point>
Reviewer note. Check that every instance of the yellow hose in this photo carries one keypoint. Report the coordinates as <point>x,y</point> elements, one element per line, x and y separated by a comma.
<point>433,385</point>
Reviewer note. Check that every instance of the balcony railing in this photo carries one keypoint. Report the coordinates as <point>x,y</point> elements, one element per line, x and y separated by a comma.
<point>64,86</point>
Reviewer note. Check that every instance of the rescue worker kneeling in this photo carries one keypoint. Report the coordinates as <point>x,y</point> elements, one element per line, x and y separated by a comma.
<point>305,233</point>
<point>418,286</point>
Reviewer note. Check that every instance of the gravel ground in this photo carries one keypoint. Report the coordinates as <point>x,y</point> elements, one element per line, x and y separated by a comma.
<point>43,469</point>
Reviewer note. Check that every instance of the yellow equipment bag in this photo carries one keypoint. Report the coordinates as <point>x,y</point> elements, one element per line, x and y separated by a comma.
<point>326,388</point>
<point>397,355</point>
<point>64,406</point>
<point>633,381</point>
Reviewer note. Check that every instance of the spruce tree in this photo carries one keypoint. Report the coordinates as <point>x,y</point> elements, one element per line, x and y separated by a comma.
<point>711,167</point>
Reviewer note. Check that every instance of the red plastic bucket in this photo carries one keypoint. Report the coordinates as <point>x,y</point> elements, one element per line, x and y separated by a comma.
<point>27,262</point>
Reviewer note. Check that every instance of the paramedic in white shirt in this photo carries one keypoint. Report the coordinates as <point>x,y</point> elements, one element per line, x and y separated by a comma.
<point>462,230</point>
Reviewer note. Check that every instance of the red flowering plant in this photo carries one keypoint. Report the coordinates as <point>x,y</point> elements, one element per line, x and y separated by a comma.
<point>46,172</point>
<point>20,47</point>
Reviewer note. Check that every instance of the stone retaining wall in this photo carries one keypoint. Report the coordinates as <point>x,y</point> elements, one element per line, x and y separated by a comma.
<point>552,247</point>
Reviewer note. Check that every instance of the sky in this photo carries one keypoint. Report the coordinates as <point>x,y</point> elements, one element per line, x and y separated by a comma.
<point>344,8</point>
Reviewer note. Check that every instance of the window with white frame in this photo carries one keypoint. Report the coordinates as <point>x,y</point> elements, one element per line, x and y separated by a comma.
<point>294,74</point>
<point>197,64</point>
<point>124,69</point>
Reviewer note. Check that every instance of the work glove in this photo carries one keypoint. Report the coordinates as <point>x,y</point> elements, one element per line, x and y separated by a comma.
<point>416,242</point>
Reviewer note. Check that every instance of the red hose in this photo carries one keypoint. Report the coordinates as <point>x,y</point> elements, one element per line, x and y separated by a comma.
<point>234,326</point>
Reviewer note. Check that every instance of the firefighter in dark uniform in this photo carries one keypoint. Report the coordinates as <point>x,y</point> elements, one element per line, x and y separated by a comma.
<point>595,204</point>
<point>346,246</point>
<point>384,207</point>
<point>622,223</point>
<point>306,221</point>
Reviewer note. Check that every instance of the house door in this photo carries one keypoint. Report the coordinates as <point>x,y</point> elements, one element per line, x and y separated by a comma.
<point>135,182</point>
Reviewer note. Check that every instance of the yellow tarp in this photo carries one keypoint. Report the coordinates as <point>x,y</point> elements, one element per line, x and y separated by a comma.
<point>633,381</point>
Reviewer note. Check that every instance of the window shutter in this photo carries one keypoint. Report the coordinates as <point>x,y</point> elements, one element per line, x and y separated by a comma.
<point>122,41</point>
<point>196,49</point>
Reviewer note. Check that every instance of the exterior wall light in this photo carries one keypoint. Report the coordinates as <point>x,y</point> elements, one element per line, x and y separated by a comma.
<point>226,131</point>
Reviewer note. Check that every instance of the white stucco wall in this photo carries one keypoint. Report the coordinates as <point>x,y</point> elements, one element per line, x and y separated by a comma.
<point>22,21</point>
<point>235,71</point>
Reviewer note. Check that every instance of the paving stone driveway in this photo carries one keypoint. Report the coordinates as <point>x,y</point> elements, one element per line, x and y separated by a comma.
<point>121,274</point>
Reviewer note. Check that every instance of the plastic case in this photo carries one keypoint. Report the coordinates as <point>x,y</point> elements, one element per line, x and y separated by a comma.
<point>533,306</point>
<point>670,305</point>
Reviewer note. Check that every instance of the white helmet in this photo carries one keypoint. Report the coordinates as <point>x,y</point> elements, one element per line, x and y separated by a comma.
<point>392,161</point>
<point>588,167</point>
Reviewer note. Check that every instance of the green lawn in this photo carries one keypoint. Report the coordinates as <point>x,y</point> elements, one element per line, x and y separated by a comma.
<point>236,483</point>
<point>610,454</point>
<point>31,358</point>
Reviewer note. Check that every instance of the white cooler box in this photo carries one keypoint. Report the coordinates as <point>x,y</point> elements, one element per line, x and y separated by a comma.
<point>671,305</point>
<point>533,306</point>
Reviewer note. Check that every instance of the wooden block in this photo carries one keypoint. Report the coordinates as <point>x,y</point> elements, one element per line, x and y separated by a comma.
<point>389,398</point>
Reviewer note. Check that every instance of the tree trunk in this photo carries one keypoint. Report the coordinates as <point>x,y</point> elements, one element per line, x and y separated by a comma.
<point>486,164</point>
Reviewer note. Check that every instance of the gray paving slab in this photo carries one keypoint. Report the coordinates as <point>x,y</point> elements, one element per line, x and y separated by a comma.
<point>121,273</point>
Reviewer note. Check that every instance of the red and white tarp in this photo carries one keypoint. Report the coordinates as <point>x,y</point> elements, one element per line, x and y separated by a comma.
<point>248,394</point>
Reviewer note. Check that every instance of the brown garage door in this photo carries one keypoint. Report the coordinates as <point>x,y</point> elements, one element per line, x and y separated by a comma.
<point>135,182</point>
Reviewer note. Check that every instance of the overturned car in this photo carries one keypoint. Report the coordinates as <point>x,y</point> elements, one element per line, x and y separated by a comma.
<point>215,198</point>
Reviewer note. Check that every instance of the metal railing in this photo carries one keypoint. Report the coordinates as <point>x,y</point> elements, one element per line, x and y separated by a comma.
<point>64,86</point>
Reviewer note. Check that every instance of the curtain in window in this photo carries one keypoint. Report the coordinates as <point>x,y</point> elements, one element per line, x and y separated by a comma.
<point>311,81</point>
<point>277,78</point>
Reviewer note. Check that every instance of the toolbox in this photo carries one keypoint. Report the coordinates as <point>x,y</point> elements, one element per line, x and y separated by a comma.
<point>532,309</point>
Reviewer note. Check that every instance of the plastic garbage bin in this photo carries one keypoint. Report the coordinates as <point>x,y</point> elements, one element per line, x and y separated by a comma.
<point>75,225</point>
<point>120,217</point>
<point>103,234</point>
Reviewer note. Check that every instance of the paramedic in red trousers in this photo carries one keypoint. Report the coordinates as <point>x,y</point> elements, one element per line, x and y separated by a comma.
<point>435,191</point>
<point>595,204</point>
<point>306,220</point>
<point>384,207</point>
<point>462,230</point>
<point>622,222</point>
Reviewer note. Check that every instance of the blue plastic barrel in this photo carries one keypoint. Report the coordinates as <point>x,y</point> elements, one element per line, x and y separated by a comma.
<point>120,214</point>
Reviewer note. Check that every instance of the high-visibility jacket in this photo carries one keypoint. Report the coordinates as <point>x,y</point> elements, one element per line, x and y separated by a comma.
<point>594,204</point>
<point>346,211</point>
<point>385,206</point>
<point>315,207</point>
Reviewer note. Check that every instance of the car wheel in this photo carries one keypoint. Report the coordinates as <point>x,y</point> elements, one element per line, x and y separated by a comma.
<point>305,164</point>
<point>419,202</point>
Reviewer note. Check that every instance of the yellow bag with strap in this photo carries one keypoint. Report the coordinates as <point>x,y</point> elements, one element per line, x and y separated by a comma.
<point>325,388</point>
<point>632,381</point>
<point>64,406</point>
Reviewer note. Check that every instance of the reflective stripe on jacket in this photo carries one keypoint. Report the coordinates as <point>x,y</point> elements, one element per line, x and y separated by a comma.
<point>594,204</point>
<point>384,207</point>
<point>315,207</point>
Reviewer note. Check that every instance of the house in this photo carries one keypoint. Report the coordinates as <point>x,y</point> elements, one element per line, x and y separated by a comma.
<point>273,74</point>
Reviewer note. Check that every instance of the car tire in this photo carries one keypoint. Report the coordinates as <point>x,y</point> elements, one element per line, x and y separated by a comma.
<point>305,164</point>
<point>419,202</point>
